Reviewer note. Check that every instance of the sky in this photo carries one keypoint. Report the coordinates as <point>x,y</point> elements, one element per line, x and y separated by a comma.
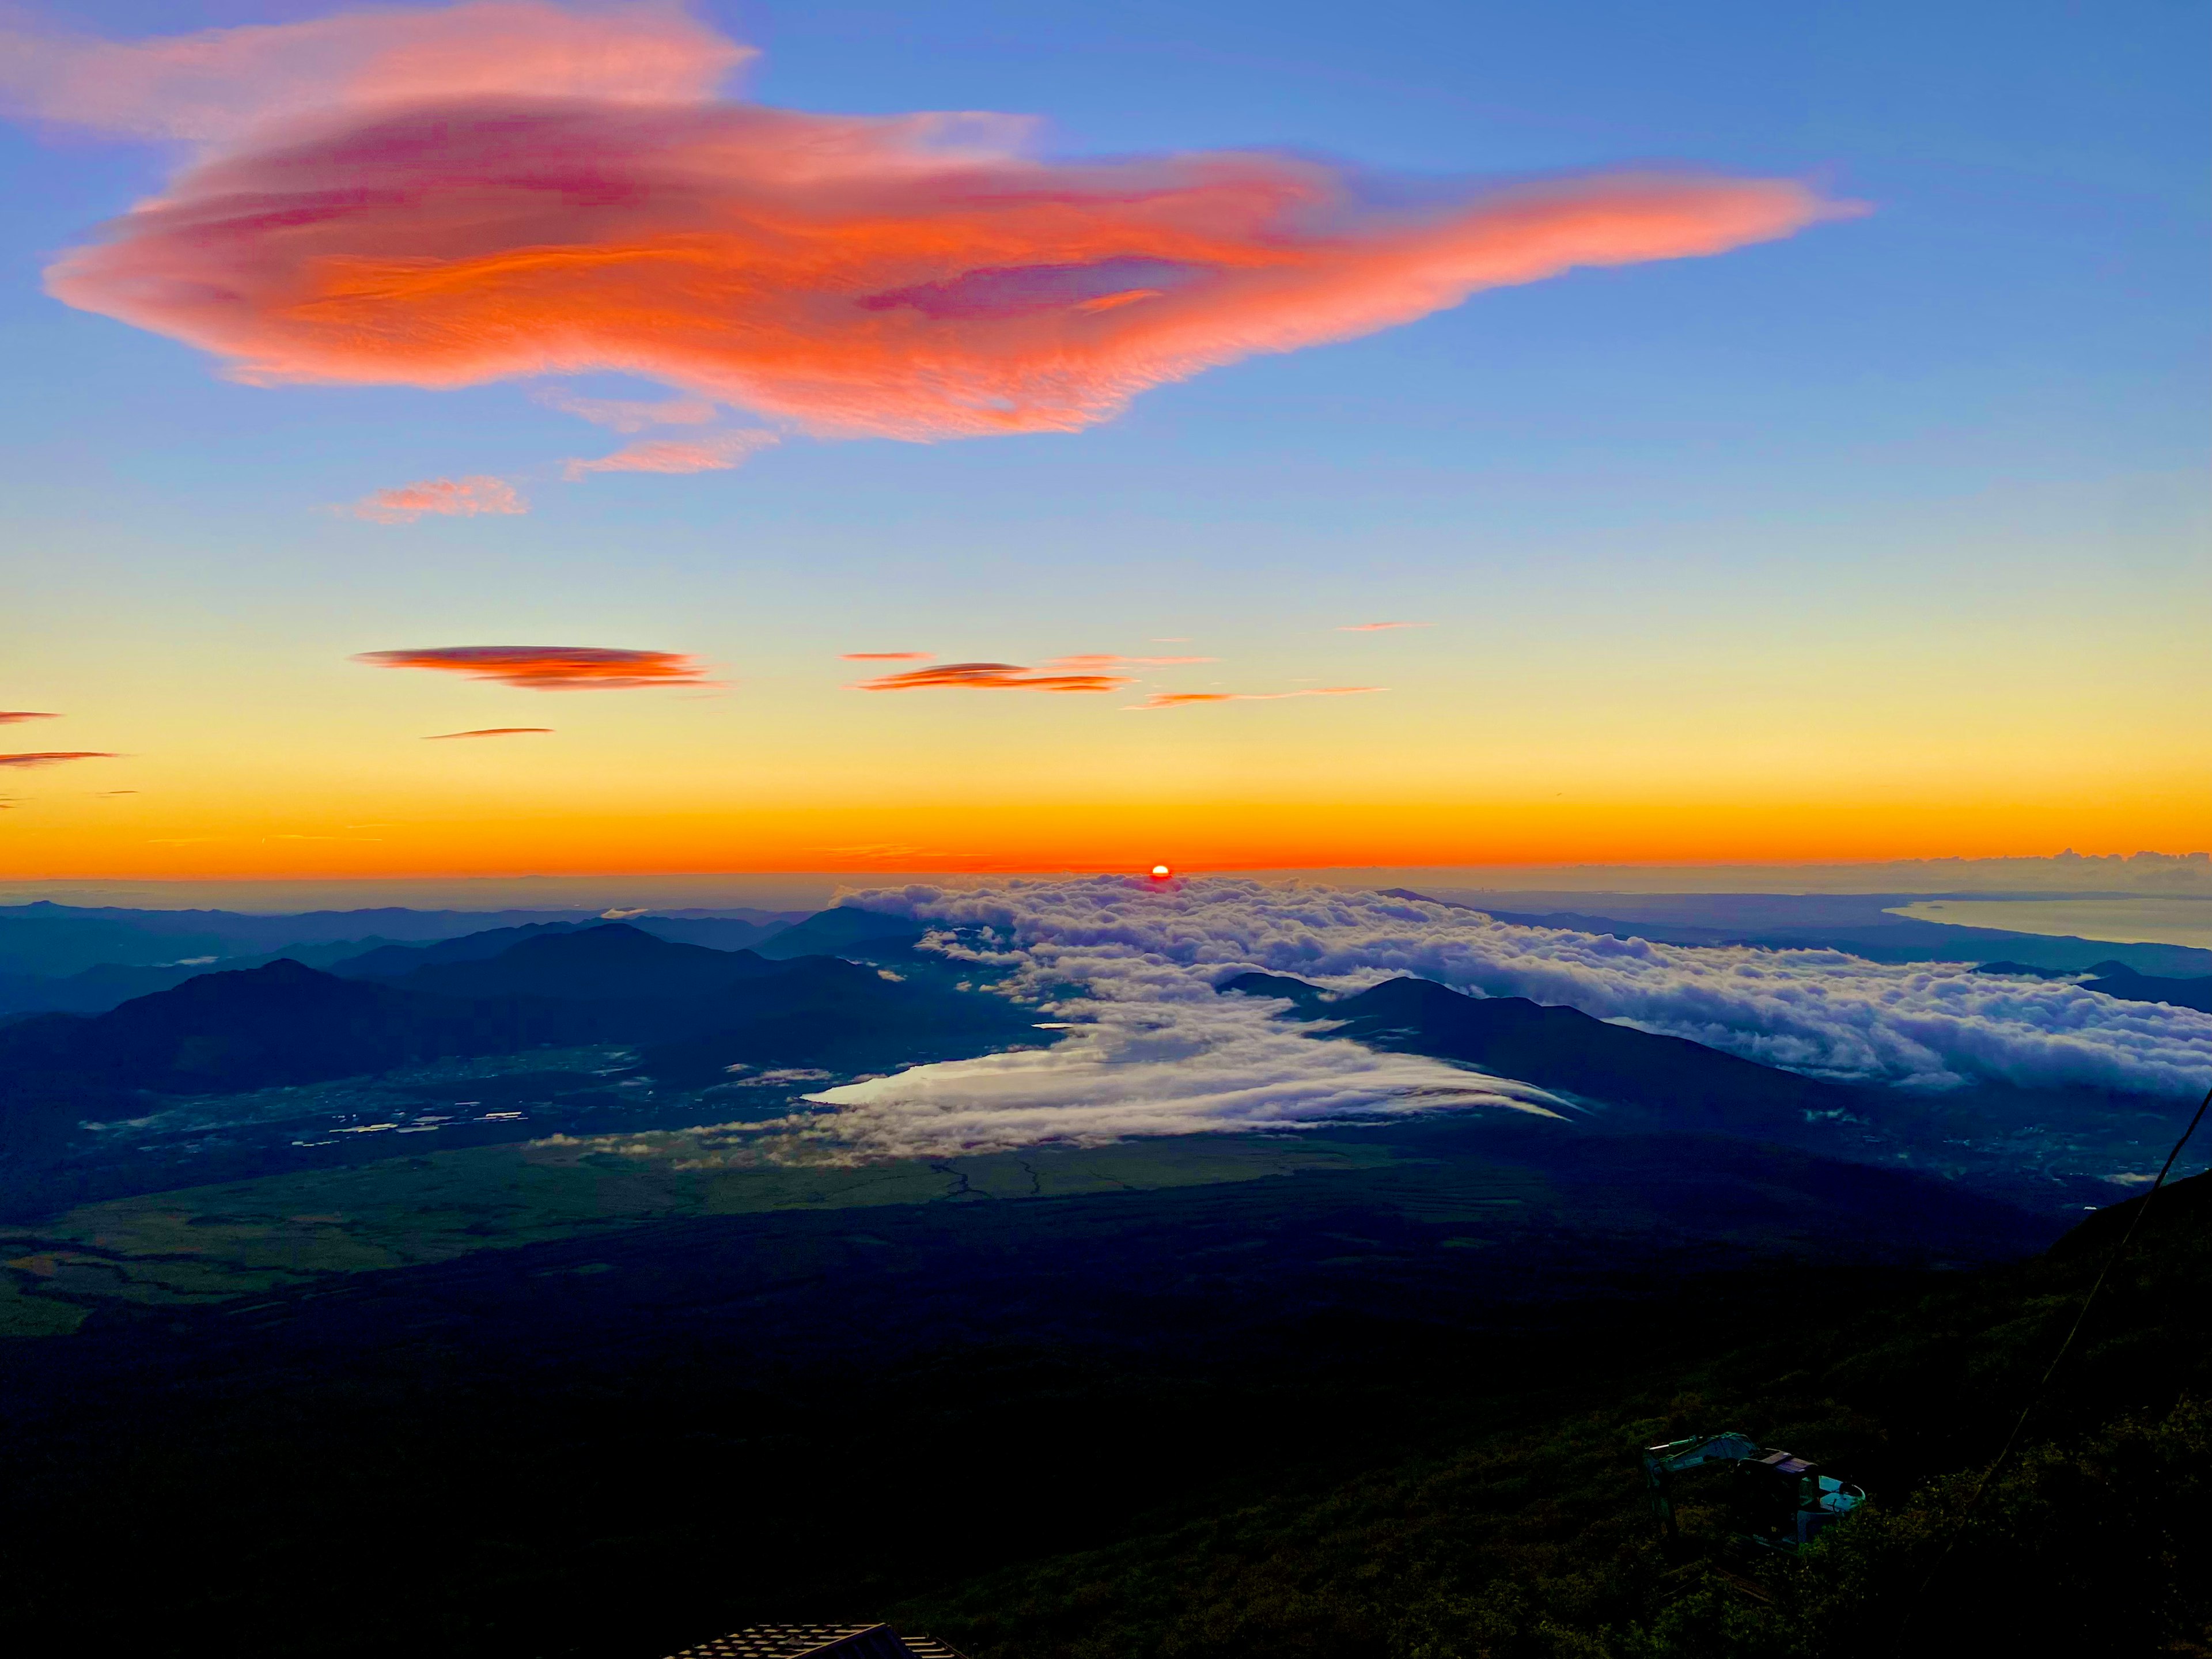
<point>510,439</point>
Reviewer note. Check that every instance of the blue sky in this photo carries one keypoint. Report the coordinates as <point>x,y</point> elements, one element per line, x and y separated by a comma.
<point>1935,470</point>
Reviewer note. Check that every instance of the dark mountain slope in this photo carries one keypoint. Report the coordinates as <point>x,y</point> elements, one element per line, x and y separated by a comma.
<point>1358,1415</point>
<point>840,1015</point>
<point>716,933</point>
<point>277,1025</point>
<point>2118,980</point>
<point>221,1033</point>
<point>284,1024</point>
<point>1687,1084</point>
<point>1534,1540</point>
<point>843,932</point>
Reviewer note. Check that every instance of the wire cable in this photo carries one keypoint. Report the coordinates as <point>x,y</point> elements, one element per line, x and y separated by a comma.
<point>2035,1395</point>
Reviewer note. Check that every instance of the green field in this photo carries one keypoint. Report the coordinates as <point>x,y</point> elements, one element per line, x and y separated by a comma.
<point>240,1239</point>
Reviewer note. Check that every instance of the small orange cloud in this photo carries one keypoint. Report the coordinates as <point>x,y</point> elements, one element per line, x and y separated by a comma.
<point>10,716</point>
<point>717,453</point>
<point>991,676</point>
<point>630,414</point>
<point>55,756</point>
<point>486,731</point>
<point>885,656</point>
<point>1182,699</point>
<point>550,667</point>
<point>1379,628</point>
<point>462,498</point>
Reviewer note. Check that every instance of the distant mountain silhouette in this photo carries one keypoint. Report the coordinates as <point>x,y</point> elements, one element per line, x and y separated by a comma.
<point>611,962</point>
<point>1685,1083</point>
<point>95,990</point>
<point>2117,979</point>
<point>396,960</point>
<point>1860,923</point>
<point>843,931</point>
<point>713,932</point>
<point>47,938</point>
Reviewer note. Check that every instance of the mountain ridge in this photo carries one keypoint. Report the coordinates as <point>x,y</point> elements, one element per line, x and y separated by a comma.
<point>1689,1086</point>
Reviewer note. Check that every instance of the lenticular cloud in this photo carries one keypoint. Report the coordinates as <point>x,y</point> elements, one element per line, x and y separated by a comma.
<point>433,219</point>
<point>1822,1013</point>
<point>1175,1067</point>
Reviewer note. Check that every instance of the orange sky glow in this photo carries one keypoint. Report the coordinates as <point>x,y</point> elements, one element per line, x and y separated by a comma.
<point>1192,836</point>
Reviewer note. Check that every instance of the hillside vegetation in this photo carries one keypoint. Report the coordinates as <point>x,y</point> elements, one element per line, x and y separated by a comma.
<point>1534,1542</point>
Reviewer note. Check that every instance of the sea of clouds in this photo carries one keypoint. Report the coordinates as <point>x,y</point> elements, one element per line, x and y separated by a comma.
<point>1155,1050</point>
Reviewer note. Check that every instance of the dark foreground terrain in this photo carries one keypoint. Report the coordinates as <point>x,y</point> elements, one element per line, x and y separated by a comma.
<point>1386,1407</point>
<point>505,1296</point>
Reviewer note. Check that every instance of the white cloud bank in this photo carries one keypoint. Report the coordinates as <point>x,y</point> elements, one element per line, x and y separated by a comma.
<point>1163,1065</point>
<point>1822,1012</point>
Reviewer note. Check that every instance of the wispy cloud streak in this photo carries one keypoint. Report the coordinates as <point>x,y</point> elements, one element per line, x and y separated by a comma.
<point>54,756</point>
<point>991,676</point>
<point>1108,659</point>
<point>550,667</point>
<point>630,414</point>
<point>15,716</point>
<point>487,731</point>
<point>717,453</point>
<point>1186,699</point>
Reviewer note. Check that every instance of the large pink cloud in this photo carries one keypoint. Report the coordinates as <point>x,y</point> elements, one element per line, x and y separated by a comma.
<point>212,86</point>
<point>911,276</point>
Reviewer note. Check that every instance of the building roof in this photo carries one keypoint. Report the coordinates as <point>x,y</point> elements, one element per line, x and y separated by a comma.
<point>826,1641</point>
